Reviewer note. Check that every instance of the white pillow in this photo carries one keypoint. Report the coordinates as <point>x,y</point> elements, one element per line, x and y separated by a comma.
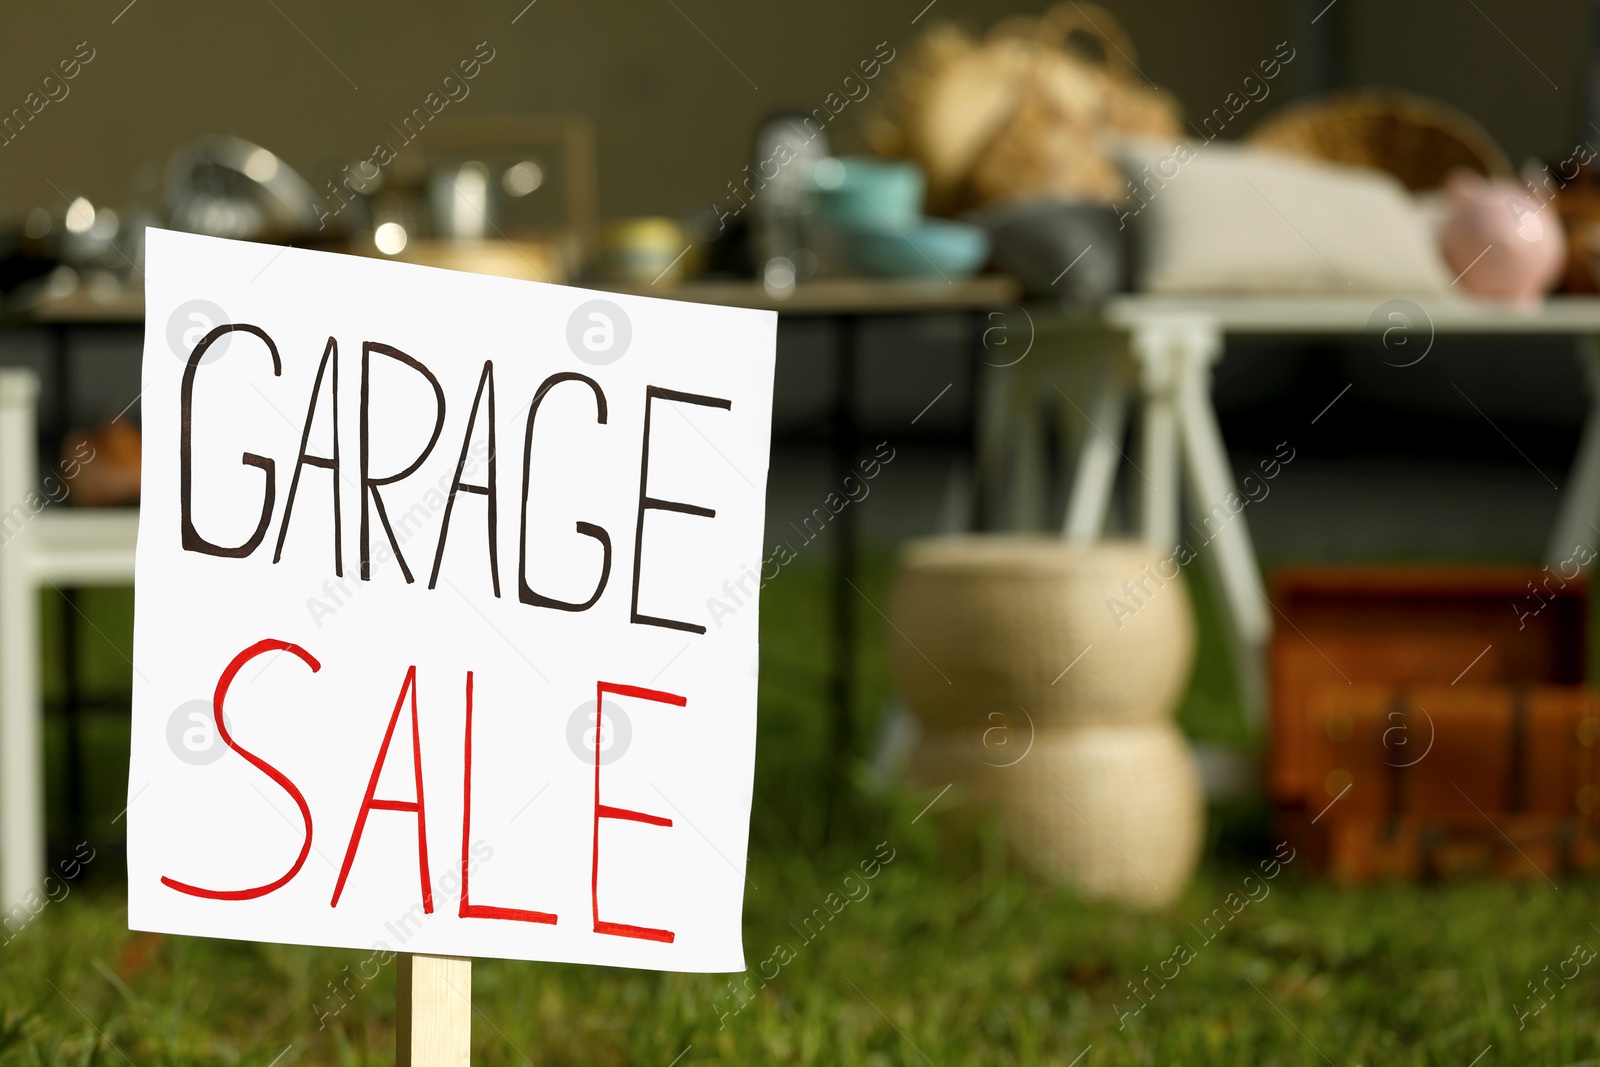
<point>1220,218</point>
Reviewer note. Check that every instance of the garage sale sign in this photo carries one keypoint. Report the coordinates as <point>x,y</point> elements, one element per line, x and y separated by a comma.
<point>421,655</point>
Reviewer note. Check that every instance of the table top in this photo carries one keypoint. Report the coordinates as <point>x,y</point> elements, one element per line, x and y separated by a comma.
<point>851,296</point>
<point>831,296</point>
<point>1269,314</point>
<point>87,306</point>
<point>85,546</point>
<point>1265,313</point>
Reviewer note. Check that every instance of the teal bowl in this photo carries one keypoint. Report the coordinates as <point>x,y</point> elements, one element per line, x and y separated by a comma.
<point>930,248</point>
<point>866,192</point>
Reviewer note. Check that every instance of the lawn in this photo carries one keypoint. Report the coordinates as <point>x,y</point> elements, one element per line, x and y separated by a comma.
<point>952,953</point>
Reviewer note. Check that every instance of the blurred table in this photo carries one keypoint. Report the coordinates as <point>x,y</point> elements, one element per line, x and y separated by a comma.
<point>1157,352</point>
<point>847,303</point>
<point>66,547</point>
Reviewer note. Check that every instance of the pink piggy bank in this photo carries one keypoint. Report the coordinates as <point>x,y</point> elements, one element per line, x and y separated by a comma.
<point>1499,239</point>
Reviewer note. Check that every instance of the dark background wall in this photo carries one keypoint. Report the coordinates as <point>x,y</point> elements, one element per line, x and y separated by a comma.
<point>675,86</point>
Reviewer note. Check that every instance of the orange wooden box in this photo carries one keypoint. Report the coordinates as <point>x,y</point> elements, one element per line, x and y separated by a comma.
<point>1429,720</point>
<point>1434,779</point>
<point>1408,627</point>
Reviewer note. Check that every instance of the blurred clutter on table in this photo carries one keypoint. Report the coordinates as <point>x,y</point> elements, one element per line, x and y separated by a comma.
<point>1036,148</point>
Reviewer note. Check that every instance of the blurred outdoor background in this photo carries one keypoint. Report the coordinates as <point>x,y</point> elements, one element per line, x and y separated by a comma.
<point>1295,299</point>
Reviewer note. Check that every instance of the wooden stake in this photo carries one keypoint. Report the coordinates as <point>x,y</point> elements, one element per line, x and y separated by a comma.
<point>433,1020</point>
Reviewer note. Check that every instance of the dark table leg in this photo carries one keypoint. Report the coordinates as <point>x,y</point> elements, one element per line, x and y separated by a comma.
<point>72,709</point>
<point>844,428</point>
<point>73,712</point>
<point>978,322</point>
<point>845,437</point>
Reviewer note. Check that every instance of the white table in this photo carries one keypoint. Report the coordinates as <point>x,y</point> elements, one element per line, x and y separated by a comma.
<point>56,546</point>
<point>1158,352</point>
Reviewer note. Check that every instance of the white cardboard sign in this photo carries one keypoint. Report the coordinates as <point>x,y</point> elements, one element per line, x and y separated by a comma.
<point>422,659</point>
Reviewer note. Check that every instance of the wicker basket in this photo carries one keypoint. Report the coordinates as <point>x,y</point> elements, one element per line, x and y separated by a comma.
<point>1020,113</point>
<point>1417,139</point>
<point>1116,812</point>
<point>1042,627</point>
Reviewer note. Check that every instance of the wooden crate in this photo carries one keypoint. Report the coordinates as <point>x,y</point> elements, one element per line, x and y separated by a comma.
<point>1427,722</point>
<point>1408,627</point>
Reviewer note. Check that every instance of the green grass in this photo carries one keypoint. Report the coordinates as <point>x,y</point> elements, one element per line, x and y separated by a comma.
<point>957,955</point>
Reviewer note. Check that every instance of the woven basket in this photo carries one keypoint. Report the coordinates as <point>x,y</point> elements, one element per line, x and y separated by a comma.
<point>1116,812</point>
<point>1020,113</point>
<point>1039,626</point>
<point>1417,139</point>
